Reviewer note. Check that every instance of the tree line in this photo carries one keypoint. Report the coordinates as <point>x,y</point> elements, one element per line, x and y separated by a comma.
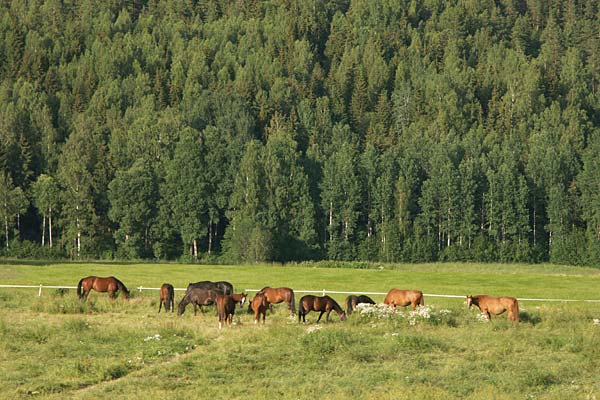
<point>393,130</point>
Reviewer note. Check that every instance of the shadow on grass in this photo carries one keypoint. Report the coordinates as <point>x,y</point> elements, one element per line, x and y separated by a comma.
<point>529,318</point>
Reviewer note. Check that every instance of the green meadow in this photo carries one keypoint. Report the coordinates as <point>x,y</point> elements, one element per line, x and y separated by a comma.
<point>54,346</point>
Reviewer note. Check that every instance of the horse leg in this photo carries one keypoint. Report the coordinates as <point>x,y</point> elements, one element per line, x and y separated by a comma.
<point>320,315</point>
<point>160,305</point>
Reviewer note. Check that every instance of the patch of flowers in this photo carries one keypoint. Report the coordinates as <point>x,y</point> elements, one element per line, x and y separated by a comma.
<point>377,311</point>
<point>596,321</point>
<point>421,314</point>
<point>314,328</point>
<point>481,317</point>
<point>155,337</point>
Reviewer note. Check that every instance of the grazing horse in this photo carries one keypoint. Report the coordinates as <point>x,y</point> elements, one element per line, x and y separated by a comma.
<point>221,287</point>
<point>279,295</point>
<point>495,305</point>
<point>225,308</point>
<point>167,297</point>
<point>239,298</point>
<point>109,284</point>
<point>259,306</point>
<point>352,301</point>
<point>397,297</point>
<point>198,297</point>
<point>316,303</point>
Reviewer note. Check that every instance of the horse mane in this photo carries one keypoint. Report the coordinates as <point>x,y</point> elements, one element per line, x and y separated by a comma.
<point>121,285</point>
<point>336,306</point>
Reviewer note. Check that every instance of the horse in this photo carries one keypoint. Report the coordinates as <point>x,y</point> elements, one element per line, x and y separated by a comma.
<point>316,303</point>
<point>279,295</point>
<point>221,287</point>
<point>225,308</point>
<point>109,284</point>
<point>495,305</point>
<point>259,306</point>
<point>397,297</point>
<point>167,297</point>
<point>198,297</point>
<point>352,301</point>
<point>239,298</point>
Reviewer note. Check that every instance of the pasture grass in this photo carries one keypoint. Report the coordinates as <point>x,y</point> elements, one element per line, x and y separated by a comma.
<point>54,346</point>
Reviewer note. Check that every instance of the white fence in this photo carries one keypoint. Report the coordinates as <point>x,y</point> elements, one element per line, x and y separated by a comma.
<point>321,291</point>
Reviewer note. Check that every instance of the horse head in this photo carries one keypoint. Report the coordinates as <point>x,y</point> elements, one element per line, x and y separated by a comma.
<point>469,301</point>
<point>243,300</point>
<point>181,307</point>
<point>343,316</point>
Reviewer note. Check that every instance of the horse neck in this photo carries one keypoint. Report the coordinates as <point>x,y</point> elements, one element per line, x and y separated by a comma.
<point>336,307</point>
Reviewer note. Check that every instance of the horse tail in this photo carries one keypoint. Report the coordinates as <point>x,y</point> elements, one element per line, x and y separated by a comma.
<point>293,302</point>
<point>79,291</point>
<point>421,299</point>
<point>122,287</point>
<point>170,298</point>
<point>515,310</point>
<point>349,305</point>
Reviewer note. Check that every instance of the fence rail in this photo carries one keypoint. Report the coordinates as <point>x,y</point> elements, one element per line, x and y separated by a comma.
<point>320,291</point>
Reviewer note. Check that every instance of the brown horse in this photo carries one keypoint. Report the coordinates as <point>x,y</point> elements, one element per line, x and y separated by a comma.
<point>198,297</point>
<point>167,297</point>
<point>259,306</point>
<point>279,295</point>
<point>495,305</point>
<point>109,284</point>
<point>239,298</point>
<point>397,297</point>
<point>316,303</point>
<point>352,301</point>
<point>225,308</point>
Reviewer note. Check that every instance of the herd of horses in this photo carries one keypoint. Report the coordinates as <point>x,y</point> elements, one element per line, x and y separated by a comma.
<point>221,294</point>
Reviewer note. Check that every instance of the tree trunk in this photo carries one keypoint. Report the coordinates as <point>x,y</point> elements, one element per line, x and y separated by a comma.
<point>44,230</point>
<point>195,249</point>
<point>50,227</point>
<point>210,237</point>
<point>6,229</point>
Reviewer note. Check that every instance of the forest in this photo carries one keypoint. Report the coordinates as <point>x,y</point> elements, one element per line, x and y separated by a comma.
<point>292,130</point>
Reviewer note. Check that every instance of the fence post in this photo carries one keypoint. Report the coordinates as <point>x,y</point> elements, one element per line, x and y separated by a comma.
<point>40,291</point>
<point>323,292</point>
<point>140,289</point>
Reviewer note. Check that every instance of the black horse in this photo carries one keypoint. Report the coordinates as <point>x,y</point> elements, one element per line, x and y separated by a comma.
<point>198,297</point>
<point>352,301</point>
<point>221,287</point>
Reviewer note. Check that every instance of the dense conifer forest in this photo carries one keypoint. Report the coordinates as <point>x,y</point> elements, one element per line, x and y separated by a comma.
<point>408,130</point>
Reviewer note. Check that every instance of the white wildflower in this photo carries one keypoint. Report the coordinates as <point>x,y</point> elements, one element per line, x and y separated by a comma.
<point>314,328</point>
<point>596,321</point>
<point>155,337</point>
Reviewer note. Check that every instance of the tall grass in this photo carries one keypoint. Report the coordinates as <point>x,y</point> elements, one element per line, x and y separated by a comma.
<point>57,347</point>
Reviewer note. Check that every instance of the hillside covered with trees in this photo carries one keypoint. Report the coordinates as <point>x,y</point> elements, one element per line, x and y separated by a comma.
<point>408,130</point>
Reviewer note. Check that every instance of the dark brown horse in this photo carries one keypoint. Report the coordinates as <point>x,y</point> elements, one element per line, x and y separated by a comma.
<point>352,301</point>
<point>495,305</point>
<point>220,287</point>
<point>167,297</point>
<point>316,303</point>
<point>397,297</point>
<point>110,284</point>
<point>279,295</point>
<point>259,306</point>
<point>198,297</point>
<point>225,308</point>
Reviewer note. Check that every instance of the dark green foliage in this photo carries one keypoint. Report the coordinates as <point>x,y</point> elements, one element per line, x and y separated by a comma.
<point>382,131</point>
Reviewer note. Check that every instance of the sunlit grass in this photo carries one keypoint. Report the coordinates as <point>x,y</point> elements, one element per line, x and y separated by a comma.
<point>54,346</point>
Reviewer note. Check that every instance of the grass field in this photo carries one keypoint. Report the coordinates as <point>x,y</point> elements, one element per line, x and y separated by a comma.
<point>54,346</point>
